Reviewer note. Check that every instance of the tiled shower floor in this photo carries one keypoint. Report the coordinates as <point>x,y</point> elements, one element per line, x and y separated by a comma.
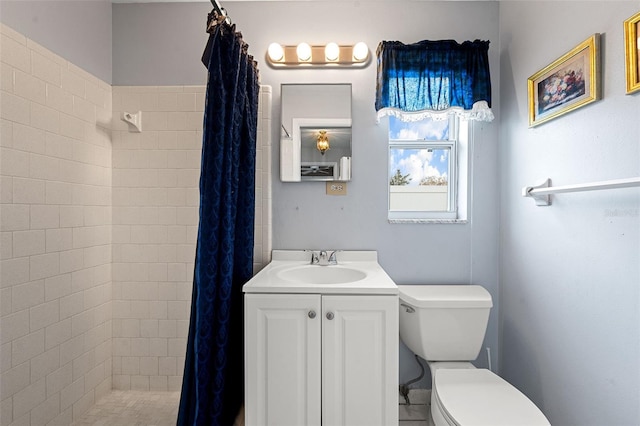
<point>137,408</point>
<point>133,408</point>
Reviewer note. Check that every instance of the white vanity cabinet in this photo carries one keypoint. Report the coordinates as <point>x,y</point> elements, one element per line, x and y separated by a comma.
<point>321,359</point>
<point>282,359</point>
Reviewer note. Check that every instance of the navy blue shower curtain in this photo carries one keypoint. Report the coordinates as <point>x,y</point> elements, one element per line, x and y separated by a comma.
<point>213,382</point>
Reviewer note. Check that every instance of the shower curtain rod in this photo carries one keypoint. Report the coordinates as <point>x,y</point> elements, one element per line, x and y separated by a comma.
<point>217,16</point>
<point>217,8</point>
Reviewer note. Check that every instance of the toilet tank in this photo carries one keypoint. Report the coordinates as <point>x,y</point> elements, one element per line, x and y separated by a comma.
<point>444,322</point>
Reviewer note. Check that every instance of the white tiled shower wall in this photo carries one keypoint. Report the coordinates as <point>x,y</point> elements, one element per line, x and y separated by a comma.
<point>155,225</point>
<point>55,223</point>
<point>99,226</point>
<point>156,175</point>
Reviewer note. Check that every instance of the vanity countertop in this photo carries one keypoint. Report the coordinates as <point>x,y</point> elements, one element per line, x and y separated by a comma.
<point>368,277</point>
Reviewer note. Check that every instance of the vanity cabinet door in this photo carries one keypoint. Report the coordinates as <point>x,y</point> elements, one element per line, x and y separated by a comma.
<point>360,360</point>
<point>282,359</point>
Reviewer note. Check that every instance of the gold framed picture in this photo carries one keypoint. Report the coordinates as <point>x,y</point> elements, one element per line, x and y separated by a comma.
<point>570,82</point>
<point>631,52</point>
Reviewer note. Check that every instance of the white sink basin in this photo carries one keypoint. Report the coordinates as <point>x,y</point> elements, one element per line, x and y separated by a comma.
<point>290,271</point>
<point>315,274</point>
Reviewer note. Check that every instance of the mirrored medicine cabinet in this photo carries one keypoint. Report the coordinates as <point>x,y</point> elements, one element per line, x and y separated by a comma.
<point>315,135</point>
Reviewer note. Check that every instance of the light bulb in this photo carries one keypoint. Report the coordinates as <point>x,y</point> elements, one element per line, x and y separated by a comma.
<point>322,142</point>
<point>276,52</point>
<point>332,51</point>
<point>304,52</point>
<point>360,51</point>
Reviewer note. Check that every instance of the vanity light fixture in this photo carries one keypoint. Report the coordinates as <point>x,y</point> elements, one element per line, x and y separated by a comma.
<point>360,51</point>
<point>304,52</point>
<point>322,143</point>
<point>330,55</point>
<point>276,52</point>
<point>332,52</point>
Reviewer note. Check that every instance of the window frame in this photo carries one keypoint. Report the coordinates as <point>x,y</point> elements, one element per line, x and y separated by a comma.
<point>459,170</point>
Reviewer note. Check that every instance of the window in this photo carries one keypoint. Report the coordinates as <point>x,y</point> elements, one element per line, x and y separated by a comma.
<point>428,170</point>
<point>424,83</point>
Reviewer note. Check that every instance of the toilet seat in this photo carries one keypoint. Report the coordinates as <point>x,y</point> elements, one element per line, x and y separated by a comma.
<point>477,397</point>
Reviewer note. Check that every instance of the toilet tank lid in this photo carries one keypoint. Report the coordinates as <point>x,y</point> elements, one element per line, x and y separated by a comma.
<point>445,296</point>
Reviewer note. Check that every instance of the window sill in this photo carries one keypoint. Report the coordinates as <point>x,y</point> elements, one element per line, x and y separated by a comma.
<point>434,221</point>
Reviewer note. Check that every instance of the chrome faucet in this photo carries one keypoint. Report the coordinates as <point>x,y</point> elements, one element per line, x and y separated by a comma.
<point>314,257</point>
<point>323,258</point>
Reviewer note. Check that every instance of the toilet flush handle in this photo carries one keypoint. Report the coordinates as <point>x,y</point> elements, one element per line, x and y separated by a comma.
<point>408,308</point>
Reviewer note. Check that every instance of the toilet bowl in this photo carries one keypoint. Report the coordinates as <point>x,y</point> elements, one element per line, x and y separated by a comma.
<point>445,325</point>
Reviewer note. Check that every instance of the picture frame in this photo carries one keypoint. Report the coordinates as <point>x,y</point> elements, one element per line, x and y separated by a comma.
<point>631,53</point>
<point>568,83</point>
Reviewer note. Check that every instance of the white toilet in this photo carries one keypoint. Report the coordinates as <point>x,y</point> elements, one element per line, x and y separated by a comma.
<point>445,325</point>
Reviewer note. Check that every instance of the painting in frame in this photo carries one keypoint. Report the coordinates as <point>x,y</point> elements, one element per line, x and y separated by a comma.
<point>632,54</point>
<point>570,82</point>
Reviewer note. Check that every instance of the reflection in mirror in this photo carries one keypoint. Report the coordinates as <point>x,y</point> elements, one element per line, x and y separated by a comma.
<point>325,148</point>
<point>315,141</point>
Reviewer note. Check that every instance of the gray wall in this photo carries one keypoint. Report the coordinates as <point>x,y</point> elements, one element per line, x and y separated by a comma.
<point>304,217</point>
<point>79,31</point>
<point>159,44</point>
<point>570,273</point>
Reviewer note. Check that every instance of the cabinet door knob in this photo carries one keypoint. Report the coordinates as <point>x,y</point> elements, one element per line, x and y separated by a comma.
<point>312,314</point>
<point>329,316</point>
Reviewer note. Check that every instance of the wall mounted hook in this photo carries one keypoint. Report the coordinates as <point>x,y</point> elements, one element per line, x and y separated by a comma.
<point>134,119</point>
